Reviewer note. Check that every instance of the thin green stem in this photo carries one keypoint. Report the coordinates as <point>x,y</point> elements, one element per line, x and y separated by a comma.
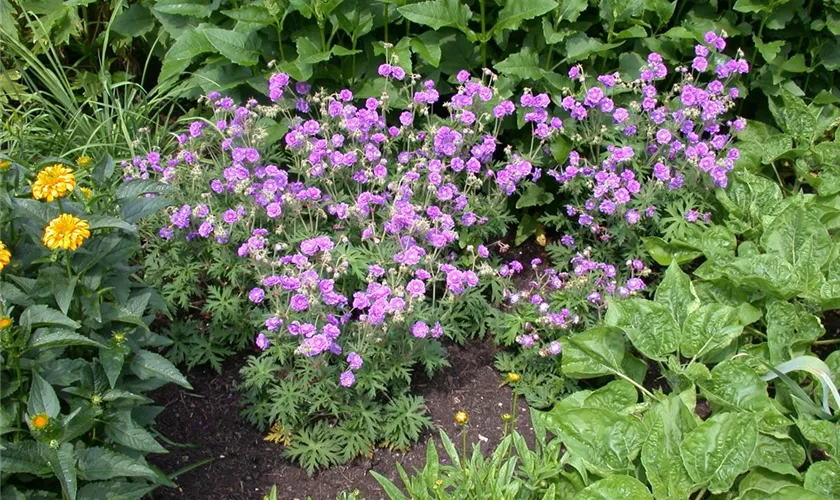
<point>483,36</point>
<point>464,447</point>
<point>827,342</point>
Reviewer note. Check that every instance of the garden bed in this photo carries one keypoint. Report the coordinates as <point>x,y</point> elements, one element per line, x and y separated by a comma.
<point>245,466</point>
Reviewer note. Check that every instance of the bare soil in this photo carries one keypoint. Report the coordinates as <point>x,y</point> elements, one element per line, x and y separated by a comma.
<point>245,466</point>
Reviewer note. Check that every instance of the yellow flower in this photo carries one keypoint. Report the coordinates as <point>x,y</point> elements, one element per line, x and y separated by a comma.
<point>5,165</point>
<point>461,417</point>
<point>88,192</point>
<point>513,378</point>
<point>83,161</point>
<point>5,256</point>
<point>66,231</point>
<point>40,421</point>
<point>53,182</point>
<point>5,322</point>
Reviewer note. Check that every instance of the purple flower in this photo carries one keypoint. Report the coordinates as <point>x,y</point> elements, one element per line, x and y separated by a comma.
<point>262,341</point>
<point>420,330</point>
<point>347,379</point>
<point>416,288</point>
<point>555,348</point>
<point>299,302</point>
<point>256,295</point>
<point>354,361</point>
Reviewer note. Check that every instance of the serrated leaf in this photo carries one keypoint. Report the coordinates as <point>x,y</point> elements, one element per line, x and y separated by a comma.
<point>428,45</point>
<point>42,398</point>
<point>193,8</point>
<point>231,44</point>
<point>533,196</point>
<point>96,464</point>
<point>524,64</point>
<point>121,429</point>
<point>55,337</point>
<point>135,21</point>
<point>24,457</point>
<point>438,14</point>
<point>147,364</point>
<point>516,11</point>
<point>63,463</point>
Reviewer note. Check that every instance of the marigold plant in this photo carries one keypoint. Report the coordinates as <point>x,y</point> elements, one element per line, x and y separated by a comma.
<point>66,232</point>
<point>53,182</point>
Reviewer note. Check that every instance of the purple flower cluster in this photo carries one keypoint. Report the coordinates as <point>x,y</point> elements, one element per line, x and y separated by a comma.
<point>652,143</point>
<point>554,302</point>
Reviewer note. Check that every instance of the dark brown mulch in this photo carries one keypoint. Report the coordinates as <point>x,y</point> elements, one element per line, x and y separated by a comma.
<point>246,466</point>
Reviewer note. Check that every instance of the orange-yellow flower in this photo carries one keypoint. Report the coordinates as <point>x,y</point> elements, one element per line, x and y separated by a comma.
<point>67,232</point>
<point>88,192</point>
<point>5,322</point>
<point>83,161</point>
<point>40,421</point>
<point>5,256</point>
<point>461,418</point>
<point>5,165</point>
<point>53,182</point>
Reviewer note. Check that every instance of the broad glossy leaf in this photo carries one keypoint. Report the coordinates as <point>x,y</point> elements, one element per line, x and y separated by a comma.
<point>607,441</point>
<point>231,44</point>
<point>114,490</point>
<point>194,8</point>
<point>24,457</point>
<point>824,434</point>
<point>524,64</point>
<point>614,487</point>
<point>428,45</point>
<point>593,353</point>
<point>824,478</point>
<point>534,195</point>
<point>790,330</point>
<point>649,326</point>
<point>63,463</point>
<point>719,450</point>
<point>42,398</point>
<point>667,424</point>
<point>41,315</point>
<point>189,45</point>
<point>778,454</point>
<point>147,364</point>
<point>676,292</point>
<point>438,14</point>
<point>56,337</point>
<point>516,11</point>
<point>135,21</point>
<point>765,481</point>
<point>798,236</point>
<point>616,395</point>
<point>581,46</point>
<point>121,429</point>
<point>709,328</point>
<point>252,14</point>
<point>97,463</point>
<point>664,253</point>
<point>734,386</point>
<point>769,273</point>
